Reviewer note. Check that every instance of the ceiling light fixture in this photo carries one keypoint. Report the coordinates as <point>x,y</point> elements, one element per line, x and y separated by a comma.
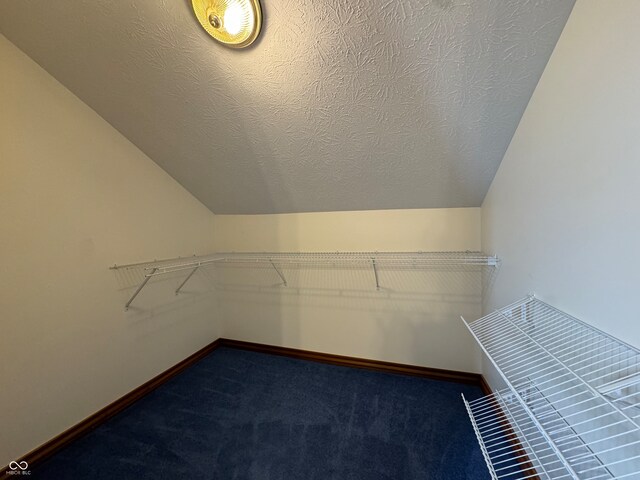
<point>236,23</point>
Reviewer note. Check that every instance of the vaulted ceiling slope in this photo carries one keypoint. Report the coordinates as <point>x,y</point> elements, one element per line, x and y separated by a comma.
<point>340,105</point>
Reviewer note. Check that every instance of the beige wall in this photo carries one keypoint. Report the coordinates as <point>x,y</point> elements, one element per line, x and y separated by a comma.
<point>76,197</point>
<point>436,229</point>
<point>413,319</point>
<point>563,211</point>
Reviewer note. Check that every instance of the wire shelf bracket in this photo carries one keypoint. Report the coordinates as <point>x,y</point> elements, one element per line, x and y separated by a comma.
<point>162,267</point>
<point>187,279</point>
<point>571,408</point>
<point>138,290</point>
<point>375,273</point>
<point>284,280</point>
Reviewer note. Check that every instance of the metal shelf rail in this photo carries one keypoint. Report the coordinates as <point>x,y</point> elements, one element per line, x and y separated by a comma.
<point>572,406</point>
<point>280,260</point>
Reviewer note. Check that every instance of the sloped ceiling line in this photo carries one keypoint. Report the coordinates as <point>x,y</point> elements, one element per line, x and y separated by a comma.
<point>338,106</point>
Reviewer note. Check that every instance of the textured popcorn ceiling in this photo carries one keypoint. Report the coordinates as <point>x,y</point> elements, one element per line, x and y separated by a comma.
<point>341,104</point>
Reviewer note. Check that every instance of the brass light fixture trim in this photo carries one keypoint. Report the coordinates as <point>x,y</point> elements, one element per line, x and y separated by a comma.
<point>235,23</point>
<point>214,20</point>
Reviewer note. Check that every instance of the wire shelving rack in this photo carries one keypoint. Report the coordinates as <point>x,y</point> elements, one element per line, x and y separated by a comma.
<point>278,261</point>
<point>572,406</point>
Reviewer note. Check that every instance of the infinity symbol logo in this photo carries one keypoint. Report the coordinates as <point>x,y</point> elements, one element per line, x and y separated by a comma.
<point>18,465</point>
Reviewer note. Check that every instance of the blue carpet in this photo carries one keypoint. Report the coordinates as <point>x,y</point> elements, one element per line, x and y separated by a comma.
<point>239,415</point>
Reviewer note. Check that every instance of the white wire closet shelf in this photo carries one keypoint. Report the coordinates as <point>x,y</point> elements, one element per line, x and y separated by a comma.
<point>571,408</point>
<point>280,260</point>
<point>396,259</point>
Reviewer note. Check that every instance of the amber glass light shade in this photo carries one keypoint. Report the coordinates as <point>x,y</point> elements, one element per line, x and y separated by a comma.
<point>236,23</point>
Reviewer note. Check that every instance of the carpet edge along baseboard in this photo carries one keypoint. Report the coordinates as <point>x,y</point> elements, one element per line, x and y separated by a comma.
<point>80,429</point>
<point>347,361</point>
<point>57,443</point>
